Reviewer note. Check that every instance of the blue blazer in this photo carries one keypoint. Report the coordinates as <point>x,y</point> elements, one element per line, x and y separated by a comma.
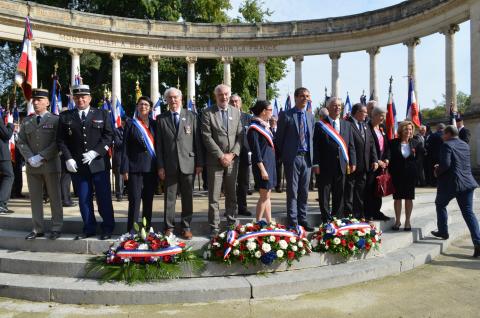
<point>454,172</point>
<point>286,138</point>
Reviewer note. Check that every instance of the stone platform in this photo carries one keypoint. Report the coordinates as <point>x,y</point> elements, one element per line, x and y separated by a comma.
<point>44,270</point>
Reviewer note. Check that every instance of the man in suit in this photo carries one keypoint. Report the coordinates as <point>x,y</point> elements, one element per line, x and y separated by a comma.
<point>420,156</point>
<point>179,157</point>
<point>222,134</point>
<point>244,163</point>
<point>294,142</point>
<point>463,132</point>
<point>332,161</point>
<point>117,160</point>
<point>36,142</point>
<point>6,169</point>
<point>367,161</point>
<point>433,145</point>
<point>84,137</point>
<point>455,180</point>
<point>278,161</point>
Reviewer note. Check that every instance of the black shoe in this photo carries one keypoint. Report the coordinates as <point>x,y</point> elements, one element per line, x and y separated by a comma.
<point>396,227</point>
<point>119,199</point>
<point>381,217</point>
<point>104,237</point>
<point>249,192</point>
<point>5,210</point>
<point>69,204</point>
<point>307,227</point>
<point>34,235</point>
<point>245,213</point>
<point>83,236</point>
<point>278,189</point>
<point>54,235</point>
<point>476,253</point>
<point>440,235</point>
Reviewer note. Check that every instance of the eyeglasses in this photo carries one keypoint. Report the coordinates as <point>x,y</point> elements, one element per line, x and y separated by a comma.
<point>269,109</point>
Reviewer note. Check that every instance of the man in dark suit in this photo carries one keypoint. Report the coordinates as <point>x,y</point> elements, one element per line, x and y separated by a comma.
<point>366,156</point>
<point>433,145</point>
<point>278,160</point>
<point>6,169</point>
<point>463,132</point>
<point>179,157</point>
<point>84,137</point>
<point>222,135</point>
<point>243,176</point>
<point>117,160</point>
<point>420,156</point>
<point>294,141</point>
<point>331,162</point>
<point>455,180</point>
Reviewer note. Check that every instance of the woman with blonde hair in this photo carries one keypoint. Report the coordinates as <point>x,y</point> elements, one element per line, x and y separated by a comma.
<point>402,167</point>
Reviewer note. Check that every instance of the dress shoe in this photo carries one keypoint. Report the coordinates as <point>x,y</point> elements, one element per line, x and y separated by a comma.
<point>440,235</point>
<point>83,236</point>
<point>407,228</point>
<point>54,235</point>
<point>104,237</point>
<point>381,217</point>
<point>476,253</point>
<point>307,227</point>
<point>34,235</point>
<point>187,235</point>
<point>69,204</point>
<point>119,199</point>
<point>278,189</point>
<point>396,227</point>
<point>245,213</point>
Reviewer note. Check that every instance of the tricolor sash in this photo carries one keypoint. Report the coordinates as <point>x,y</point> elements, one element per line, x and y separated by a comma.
<point>332,133</point>
<point>333,229</point>
<point>263,131</point>
<point>146,134</point>
<point>169,251</point>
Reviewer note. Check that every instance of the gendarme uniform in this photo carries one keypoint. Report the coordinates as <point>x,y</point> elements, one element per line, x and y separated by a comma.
<point>36,139</point>
<point>88,133</point>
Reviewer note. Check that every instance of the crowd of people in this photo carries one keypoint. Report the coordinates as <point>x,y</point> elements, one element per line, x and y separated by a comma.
<point>345,156</point>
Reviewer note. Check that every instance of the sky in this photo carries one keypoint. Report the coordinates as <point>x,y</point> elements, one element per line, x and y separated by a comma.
<point>354,66</point>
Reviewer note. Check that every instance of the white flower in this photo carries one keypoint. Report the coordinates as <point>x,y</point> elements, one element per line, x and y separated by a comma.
<point>151,230</point>
<point>302,252</point>
<point>209,246</point>
<point>251,246</point>
<point>248,225</point>
<point>206,255</point>
<point>258,254</point>
<point>336,241</point>
<point>294,248</point>
<point>251,239</point>
<point>216,244</point>
<point>272,238</point>
<point>235,243</point>
<point>242,229</point>
<point>283,244</point>
<point>236,252</point>
<point>273,223</point>
<point>293,240</point>
<point>143,234</point>
<point>300,244</point>
<point>314,243</point>
<point>356,238</point>
<point>376,237</point>
<point>143,247</point>
<point>360,233</point>
<point>266,247</point>
<point>222,235</point>
<point>279,253</point>
<point>338,222</point>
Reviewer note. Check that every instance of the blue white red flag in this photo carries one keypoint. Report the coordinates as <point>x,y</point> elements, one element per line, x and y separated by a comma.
<point>275,109</point>
<point>24,76</point>
<point>56,102</point>
<point>157,108</point>
<point>288,103</point>
<point>347,109</point>
<point>117,114</point>
<point>412,106</point>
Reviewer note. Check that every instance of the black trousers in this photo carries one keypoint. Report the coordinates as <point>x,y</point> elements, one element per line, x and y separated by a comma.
<point>6,181</point>
<point>65,181</point>
<point>17,172</point>
<point>141,187</point>
<point>373,203</point>
<point>355,193</point>
<point>243,180</point>
<point>331,184</point>
<point>279,167</point>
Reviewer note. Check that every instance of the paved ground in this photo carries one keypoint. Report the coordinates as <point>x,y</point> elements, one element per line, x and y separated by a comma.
<point>447,287</point>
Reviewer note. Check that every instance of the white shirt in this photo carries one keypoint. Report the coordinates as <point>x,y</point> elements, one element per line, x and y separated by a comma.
<point>86,110</point>
<point>337,123</point>
<point>405,150</point>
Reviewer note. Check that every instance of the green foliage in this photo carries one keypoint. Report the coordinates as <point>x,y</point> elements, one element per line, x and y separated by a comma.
<point>438,112</point>
<point>253,12</point>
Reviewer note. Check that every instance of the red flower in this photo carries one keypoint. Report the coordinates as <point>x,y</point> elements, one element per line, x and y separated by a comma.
<point>242,247</point>
<point>290,255</point>
<point>241,257</point>
<point>155,244</point>
<point>277,238</point>
<point>350,232</point>
<point>367,246</point>
<point>130,245</point>
<point>181,244</point>
<point>374,240</point>
<point>327,243</point>
<point>343,242</point>
<point>351,245</point>
<point>167,258</point>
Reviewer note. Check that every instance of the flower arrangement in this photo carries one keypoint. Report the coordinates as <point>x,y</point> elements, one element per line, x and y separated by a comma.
<point>257,242</point>
<point>347,236</point>
<point>141,257</point>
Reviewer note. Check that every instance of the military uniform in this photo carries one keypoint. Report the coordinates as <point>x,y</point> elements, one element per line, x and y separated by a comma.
<point>37,137</point>
<point>75,138</point>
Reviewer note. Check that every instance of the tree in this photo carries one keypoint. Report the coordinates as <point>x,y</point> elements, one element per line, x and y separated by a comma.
<point>438,112</point>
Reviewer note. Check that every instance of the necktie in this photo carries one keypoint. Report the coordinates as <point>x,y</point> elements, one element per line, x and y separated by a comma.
<point>334,124</point>
<point>38,119</point>
<point>83,116</point>
<point>301,128</point>
<point>362,130</point>
<point>224,119</point>
<point>176,120</point>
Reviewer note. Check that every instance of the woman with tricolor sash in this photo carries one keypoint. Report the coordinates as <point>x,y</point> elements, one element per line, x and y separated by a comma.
<point>260,140</point>
<point>139,162</point>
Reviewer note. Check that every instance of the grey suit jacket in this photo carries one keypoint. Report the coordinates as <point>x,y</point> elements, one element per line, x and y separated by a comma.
<point>216,139</point>
<point>182,150</point>
<point>40,139</point>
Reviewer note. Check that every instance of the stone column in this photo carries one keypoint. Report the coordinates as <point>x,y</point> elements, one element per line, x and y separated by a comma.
<point>116,88</point>
<point>474,49</point>
<point>75,68</point>
<point>373,52</point>
<point>262,78</point>
<point>191,78</point>
<point>411,44</point>
<point>227,74</point>
<point>154,91</point>
<point>450,81</point>
<point>335,74</point>
<point>298,70</point>
<point>35,46</point>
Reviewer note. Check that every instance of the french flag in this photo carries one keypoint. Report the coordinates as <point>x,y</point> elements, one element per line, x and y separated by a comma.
<point>56,103</point>
<point>288,103</point>
<point>116,114</point>
<point>275,109</point>
<point>11,142</point>
<point>157,108</point>
<point>412,106</point>
<point>23,77</point>
<point>347,110</point>
<point>391,120</point>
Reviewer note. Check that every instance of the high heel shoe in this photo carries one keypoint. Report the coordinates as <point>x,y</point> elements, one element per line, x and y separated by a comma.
<point>396,227</point>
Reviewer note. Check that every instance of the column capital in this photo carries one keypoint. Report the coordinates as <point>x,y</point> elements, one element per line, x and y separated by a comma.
<point>227,59</point>
<point>373,50</point>
<point>450,30</point>
<point>335,55</point>
<point>35,45</point>
<point>412,42</point>
<point>154,58</point>
<point>75,51</point>
<point>297,58</point>
<point>191,59</point>
<point>262,59</point>
<point>116,55</point>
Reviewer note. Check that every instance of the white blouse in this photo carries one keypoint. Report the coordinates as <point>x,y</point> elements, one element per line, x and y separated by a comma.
<point>405,150</point>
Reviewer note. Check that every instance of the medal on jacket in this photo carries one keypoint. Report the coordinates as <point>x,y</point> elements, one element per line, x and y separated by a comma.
<point>348,169</point>
<point>188,129</point>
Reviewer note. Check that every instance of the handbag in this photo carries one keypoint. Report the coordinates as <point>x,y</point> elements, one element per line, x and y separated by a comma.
<point>384,184</point>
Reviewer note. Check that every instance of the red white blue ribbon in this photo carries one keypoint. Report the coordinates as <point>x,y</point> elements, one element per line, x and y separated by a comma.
<point>169,251</point>
<point>146,134</point>
<point>231,237</point>
<point>263,131</point>
<point>351,227</point>
<point>330,131</point>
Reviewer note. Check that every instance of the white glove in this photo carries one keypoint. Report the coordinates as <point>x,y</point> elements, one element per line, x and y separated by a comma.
<point>89,156</point>
<point>71,165</point>
<point>35,161</point>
